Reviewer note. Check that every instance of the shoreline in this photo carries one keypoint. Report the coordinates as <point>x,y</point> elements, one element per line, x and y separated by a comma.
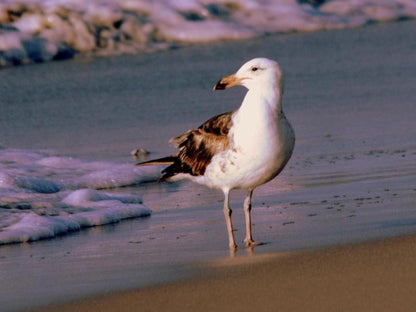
<point>376,275</point>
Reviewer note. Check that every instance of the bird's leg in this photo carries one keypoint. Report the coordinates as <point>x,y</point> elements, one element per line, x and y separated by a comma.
<point>247,211</point>
<point>227,215</point>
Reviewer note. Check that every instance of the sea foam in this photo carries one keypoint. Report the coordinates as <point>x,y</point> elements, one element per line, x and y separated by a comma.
<point>38,30</point>
<point>42,195</point>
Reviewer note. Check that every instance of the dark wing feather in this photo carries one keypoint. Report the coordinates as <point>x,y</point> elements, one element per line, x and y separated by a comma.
<point>160,161</point>
<point>197,147</point>
<point>218,125</point>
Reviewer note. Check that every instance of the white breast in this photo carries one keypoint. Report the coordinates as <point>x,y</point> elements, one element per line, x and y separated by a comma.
<point>261,145</point>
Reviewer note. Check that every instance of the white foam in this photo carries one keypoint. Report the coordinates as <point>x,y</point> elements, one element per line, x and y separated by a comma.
<point>33,227</point>
<point>40,32</point>
<point>117,176</point>
<point>84,196</point>
<point>6,181</point>
<point>42,196</point>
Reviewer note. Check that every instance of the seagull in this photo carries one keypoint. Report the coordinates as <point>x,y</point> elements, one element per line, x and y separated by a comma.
<point>241,149</point>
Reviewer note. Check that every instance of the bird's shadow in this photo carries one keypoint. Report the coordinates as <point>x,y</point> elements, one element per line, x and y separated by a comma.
<point>249,250</point>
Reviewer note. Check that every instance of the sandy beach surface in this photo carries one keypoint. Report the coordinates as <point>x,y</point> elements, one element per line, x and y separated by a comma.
<point>351,99</point>
<point>376,276</point>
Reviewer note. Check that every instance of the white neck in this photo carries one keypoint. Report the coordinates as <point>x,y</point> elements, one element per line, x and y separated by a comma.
<point>258,116</point>
<point>271,97</point>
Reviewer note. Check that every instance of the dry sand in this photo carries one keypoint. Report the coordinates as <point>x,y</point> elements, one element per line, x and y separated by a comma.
<point>378,276</point>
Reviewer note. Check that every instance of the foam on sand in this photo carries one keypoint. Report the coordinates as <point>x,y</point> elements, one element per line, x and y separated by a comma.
<point>42,196</point>
<point>39,31</point>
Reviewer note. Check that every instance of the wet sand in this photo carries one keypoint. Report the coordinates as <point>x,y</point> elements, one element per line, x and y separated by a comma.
<point>376,276</point>
<point>350,97</point>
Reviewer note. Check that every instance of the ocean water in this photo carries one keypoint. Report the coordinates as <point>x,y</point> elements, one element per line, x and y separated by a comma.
<point>43,196</point>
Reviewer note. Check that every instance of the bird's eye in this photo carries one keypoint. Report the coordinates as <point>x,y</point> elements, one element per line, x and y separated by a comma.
<point>254,68</point>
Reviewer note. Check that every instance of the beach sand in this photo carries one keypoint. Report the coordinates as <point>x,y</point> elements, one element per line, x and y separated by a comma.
<point>350,98</point>
<point>377,276</point>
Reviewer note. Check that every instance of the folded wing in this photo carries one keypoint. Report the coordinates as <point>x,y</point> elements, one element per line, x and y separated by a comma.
<point>196,148</point>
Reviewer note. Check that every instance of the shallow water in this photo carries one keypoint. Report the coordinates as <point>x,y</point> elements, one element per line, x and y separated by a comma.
<point>350,99</point>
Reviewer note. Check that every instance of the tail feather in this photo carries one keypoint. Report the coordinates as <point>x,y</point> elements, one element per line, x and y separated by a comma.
<point>160,161</point>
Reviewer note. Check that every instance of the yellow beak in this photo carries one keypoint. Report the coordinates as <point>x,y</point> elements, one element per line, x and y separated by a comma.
<point>227,82</point>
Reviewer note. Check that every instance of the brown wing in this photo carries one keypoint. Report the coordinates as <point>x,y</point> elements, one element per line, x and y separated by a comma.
<point>197,147</point>
<point>218,125</point>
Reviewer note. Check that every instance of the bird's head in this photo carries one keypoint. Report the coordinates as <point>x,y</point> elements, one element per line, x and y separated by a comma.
<point>258,72</point>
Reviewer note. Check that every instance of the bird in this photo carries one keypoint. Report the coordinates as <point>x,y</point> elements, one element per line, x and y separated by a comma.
<point>240,149</point>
